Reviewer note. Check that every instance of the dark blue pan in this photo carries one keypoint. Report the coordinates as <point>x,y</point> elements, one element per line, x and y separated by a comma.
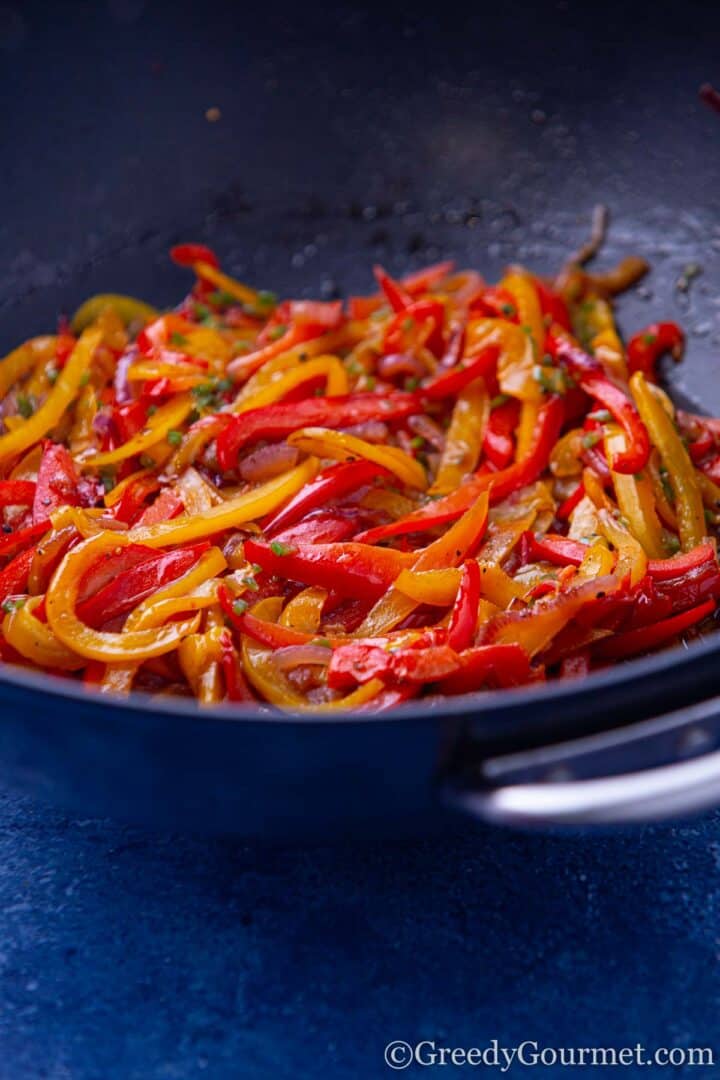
<point>347,137</point>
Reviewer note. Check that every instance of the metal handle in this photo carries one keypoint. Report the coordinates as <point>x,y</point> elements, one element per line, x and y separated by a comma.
<point>505,790</point>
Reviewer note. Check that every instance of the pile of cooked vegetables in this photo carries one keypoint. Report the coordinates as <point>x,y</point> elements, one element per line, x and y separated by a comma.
<point>442,487</point>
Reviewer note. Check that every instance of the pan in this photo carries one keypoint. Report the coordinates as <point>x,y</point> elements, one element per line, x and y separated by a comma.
<point>304,145</point>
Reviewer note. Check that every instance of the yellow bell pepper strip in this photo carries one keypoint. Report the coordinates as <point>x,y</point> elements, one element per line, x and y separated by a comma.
<point>200,656</point>
<point>527,304</point>
<point>25,359</point>
<point>341,446</point>
<point>274,686</point>
<point>128,308</point>
<point>631,558</point>
<point>436,587</point>
<point>598,562</point>
<point>61,599</point>
<point>681,471</point>
<point>168,418</point>
<point>66,388</point>
<point>304,611</point>
<point>35,640</point>
<point>464,438</point>
<point>525,431</point>
<point>242,293</point>
<point>516,362</point>
<point>458,543</point>
<point>636,498</point>
<point>535,627</point>
<point>608,349</point>
<point>250,506</point>
<point>326,367</point>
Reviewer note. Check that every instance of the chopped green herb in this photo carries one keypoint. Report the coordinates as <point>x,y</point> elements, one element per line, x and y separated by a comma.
<point>240,607</point>
<point>278,548</point>
<point>323,641</point>
<point>499,400</point>
<point>672,543</point>
<point>417,442</point>
<point>256,568</point>
<point>408,324</point>
<point>370,382</point>
<point>13,604</point>
<point>590,439</point>
<point>508,309</point>
<point>147,462</point>
<point>277,332</point>
<point>51,374</point>
<point>411,383</point>
<point>178,339</point>
<point>174,437</point>
<point>649,339</point>
<point>220,298</point>
<point>201,311</point>
<point>250,583</point>
<point>107,479</point>
<point>152,409</point>
<point>26,406</point>
<point>193,415</point>
<point>266,299</point>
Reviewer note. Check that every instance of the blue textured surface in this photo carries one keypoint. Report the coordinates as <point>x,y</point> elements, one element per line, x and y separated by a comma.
<point>131,955</point>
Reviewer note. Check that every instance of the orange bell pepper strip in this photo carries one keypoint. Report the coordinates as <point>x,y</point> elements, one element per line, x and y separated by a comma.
<point>636,498</point>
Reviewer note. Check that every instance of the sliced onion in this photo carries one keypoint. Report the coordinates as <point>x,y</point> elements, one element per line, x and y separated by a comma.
<point>123,393</point>
<point>429,430</point>
<point>394,364</point>
<point>268,461</point>
<point>372,431</point>
<point>293,656</point>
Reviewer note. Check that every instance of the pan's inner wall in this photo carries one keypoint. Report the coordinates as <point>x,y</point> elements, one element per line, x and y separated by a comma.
<point>347,136</point>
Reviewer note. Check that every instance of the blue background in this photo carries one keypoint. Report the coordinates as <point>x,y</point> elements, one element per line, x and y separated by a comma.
<point>134,955</point>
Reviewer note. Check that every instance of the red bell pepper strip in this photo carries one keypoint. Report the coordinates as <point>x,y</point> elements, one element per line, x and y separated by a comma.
<point>57,482</point>
<point>330,484</point>
<point>360,661</point>
<point>279,421</point>
<point>555,549</point>
<point>188,254</point>
<point>16,493</point>
<point>127,420</point>
<point>463,620</point>
<point>14,576</point>
<point>489,665</point>
<point>167,506</point>
<point>566,508</point>
<point>16,541</point>
<point>397,297</point>
<point>273,635</point>
<point>451,382</point>
<point>455,348</point>
<point>552,305</point>
<point>500,484</point>
<point>495,302</point>
<point>593,380</point>
<point>132,501</point>
<point>323,527</point>
<point>401,334</point>
<point>236,686</point>
<point>677,565</point>
<point>110,566</point>
<point>645,347</point>
<point>349,569</point>
<point>632,642</point>
<point>123,593</point>
<point>362,307</point>
<point>498,441</point>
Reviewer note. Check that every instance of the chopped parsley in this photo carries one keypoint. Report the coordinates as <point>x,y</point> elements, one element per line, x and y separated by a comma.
<point>26,406</point>
<point>590,439</point>
<point>174,437</point>
<point>278,548</point>
<point>178,339</point>
<point>240,607</point>
<point>499,400</point>
<point>277,332</point>
<point>13,604</point>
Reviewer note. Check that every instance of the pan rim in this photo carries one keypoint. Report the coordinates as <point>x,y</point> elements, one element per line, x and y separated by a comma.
<point>500,704</point>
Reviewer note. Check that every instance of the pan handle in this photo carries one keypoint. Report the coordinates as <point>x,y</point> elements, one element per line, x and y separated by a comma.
<point>568,784</point>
